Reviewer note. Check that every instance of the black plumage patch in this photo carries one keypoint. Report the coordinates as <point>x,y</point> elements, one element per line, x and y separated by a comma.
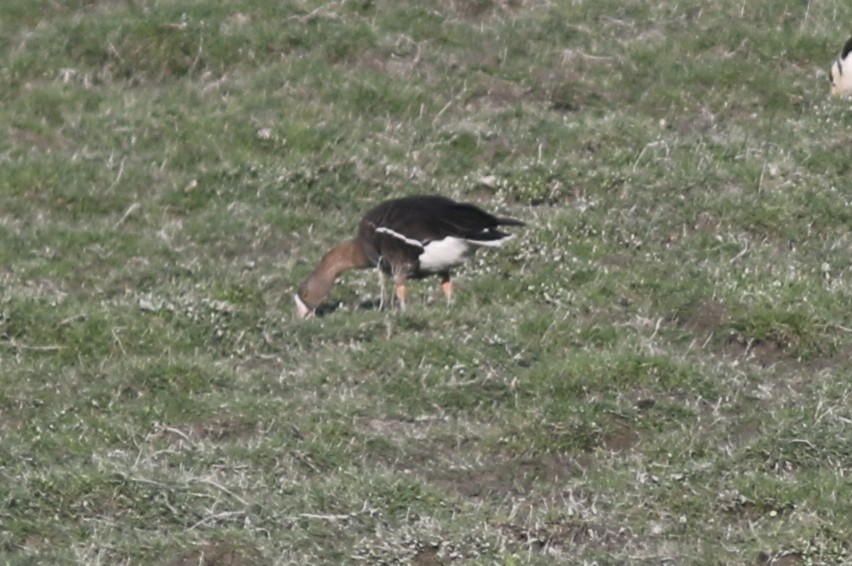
<point>846,49</point>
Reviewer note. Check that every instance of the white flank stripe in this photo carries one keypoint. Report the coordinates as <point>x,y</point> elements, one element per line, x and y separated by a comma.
<point>397,235</point>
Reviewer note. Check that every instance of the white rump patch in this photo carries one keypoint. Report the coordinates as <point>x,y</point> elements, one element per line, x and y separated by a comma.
<point>841,76</point>
<point>440,255</point>
<point>398,236</point>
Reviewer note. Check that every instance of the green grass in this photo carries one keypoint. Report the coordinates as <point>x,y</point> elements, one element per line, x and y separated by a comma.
<point>656,370</point>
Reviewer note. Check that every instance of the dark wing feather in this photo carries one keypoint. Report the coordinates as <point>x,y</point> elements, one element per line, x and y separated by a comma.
<point>427,218</point>
<point>472,223</point>
<point>846,49</point>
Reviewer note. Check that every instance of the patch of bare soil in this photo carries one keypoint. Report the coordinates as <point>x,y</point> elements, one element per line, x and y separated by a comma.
<point>708,319</point>
<point>567,90</point>
<point>216,430</point>
<point>766,353</point>
<point>446,460</point>
<point>219,553</point>
<point>624,439</point>
<point>28,139</point>
<point>396,64</point>
<point>765,559</point>
<point>704,317</point>
<point>498,478</point>
<point>427,557</point>
<point>748,510</point>
<point>9,423</point>
<point>478,9</point>
<point>489,93</point>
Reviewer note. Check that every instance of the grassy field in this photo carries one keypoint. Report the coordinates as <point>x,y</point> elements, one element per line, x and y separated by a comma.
<point>658,370</point>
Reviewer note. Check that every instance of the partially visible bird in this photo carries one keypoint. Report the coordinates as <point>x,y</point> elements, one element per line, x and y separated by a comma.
<point>407,238</point>
<point>841,71</point>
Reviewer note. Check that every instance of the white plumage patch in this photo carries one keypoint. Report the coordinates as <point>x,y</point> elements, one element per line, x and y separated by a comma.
<point>841,71</point>
<point>395,234</point>
<point>440,255</point>
<point>841,77</point>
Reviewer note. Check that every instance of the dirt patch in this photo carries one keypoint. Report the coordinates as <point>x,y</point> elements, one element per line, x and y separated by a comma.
<point>500,478</point>
<point>765,559</point>
<point>429,449</point>
<point>568,90</point>
<point>216,430</point>
<point>621,440</point>
<point>712,320</point>
<point>739,507</point>
<point>489,93</point>
<point>478,9</point>
<point>765,353</point>
<point>9,423</point>
<point>704,317</point>
<point>427,557</point>
<point>219,553</point>
<point>401,64</point>
<point>28,139</point>
<point>741,435</point>
<point>707,222</point>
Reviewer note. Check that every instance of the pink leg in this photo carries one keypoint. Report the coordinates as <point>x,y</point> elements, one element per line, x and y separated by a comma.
<point>400,295</point>
<point>447,288</point>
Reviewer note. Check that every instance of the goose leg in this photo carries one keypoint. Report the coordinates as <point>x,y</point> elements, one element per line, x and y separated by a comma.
<point>400,295</point>
<point>447,287</point>
<point>381,287</point>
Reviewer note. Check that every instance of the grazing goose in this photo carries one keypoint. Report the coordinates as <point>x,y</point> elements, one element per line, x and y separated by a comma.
<point>841,71</point>
<point>407,238</point>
